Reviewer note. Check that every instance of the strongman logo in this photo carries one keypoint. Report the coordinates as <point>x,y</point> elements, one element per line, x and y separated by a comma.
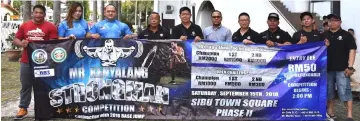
<point>39,56</point>
<point>108,54</point>
<point>58,55</point>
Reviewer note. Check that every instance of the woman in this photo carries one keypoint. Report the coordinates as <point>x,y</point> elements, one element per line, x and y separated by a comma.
<point>74,26</point>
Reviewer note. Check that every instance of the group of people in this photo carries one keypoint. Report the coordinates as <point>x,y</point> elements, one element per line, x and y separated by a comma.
<point>340,43</point>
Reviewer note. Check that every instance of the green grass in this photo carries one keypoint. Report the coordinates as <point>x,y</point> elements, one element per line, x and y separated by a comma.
<point>10,80</point>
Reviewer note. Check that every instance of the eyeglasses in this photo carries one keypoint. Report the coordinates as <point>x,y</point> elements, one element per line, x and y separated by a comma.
<point>215,16</point>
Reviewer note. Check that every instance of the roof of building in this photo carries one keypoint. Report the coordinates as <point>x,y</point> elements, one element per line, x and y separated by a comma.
<point>10,8</point>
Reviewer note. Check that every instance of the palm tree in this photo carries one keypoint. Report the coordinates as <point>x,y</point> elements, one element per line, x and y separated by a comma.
<point>94,19</point>
<point>57,11</point>
<point>27,10</point>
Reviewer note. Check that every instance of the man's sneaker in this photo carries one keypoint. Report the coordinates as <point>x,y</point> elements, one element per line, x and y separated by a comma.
<point>172,82</point>
<point>349,119</point>
<point>21,114</point>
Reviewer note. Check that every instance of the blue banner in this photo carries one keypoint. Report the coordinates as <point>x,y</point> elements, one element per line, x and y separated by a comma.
<point>168,79</point>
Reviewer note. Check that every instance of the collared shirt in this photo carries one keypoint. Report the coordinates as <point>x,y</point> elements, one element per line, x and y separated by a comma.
<point>220,33</point>
<point>79,29</point>
<point>312,36</point>
<point>279,36</point>
<point>191,32</point>
<point>161,33</point>
<point>110,29</point>
<point>250,35</point>
<point>341,42</point>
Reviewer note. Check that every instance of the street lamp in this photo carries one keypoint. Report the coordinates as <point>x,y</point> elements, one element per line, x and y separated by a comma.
<point>193,4</point>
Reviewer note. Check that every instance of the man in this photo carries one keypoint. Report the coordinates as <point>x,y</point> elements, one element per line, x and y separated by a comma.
<point>352,32</point>
<point>341,57</point>
<point>325,27</point>
<point>307,34</point>
<point>36,29</point>
<point>217,32</point>
<point>187,30</point>
<point>154,29</point>
<point>177,60</point>
<point>245,34</point>
<point>275,36</point>
<point>110,27</point>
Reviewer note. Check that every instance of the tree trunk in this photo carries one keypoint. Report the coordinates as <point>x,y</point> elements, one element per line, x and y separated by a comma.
<point>94,18</point>
<point>27,11</point>
<point>146,16</point>
<point>119,10</point>
<point>57,12</point>
<point>136,12</point>
<point>116,6</point>
<point>102,10</point>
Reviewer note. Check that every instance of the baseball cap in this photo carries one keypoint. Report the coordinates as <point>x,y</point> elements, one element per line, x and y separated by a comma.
<point>333,16</point>
<point>273,15</point>
<point>302,15</point>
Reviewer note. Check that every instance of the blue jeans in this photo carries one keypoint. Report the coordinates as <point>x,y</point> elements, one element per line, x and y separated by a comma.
<point>342,83</point>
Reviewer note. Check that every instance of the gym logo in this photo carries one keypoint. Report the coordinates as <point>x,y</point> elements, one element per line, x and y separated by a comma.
<point>39,56</point>
<point>58,55</point>
<point>109,53</point>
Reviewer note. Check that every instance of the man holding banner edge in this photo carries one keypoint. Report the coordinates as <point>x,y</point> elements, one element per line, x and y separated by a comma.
<point>36,29</point>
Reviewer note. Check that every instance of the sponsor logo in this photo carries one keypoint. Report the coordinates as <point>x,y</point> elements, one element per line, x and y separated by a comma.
<point>44,73</point>
<point>161,35</point>
<point>248,37</point>
<point>39,56</point>
<point>58,55</point>
<point>278,37</point>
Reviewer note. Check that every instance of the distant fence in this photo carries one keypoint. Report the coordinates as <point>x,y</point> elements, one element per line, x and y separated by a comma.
<point>8,27</point>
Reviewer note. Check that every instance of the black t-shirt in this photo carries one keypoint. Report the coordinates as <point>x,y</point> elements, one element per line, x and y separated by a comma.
<point>161,33</point>
<point>341,42</point>
<point>312,36</point>
<point>250,35</point>
<point>191,32</point>
<point>279,36</point>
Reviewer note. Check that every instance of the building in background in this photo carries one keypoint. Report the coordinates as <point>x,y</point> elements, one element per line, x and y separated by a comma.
<point>289,11</point>
<point>8,13</point>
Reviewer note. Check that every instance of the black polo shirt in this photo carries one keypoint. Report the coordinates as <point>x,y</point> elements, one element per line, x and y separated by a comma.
<point>161,33</point>
<point>250,35</point>
<point>341,42</point>
<point>279,36</point>
<point>191,32</point>
<point>312,36</point>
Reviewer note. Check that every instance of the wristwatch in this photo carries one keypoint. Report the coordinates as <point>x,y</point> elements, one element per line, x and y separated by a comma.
<point>351,68</point>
